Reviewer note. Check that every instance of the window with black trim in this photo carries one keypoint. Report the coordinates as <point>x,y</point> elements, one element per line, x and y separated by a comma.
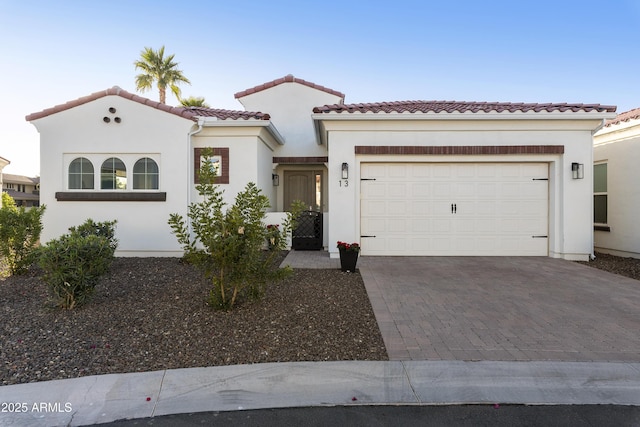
<point>113,174</point>
<point>145,174</point>
<point>81,175</point>
<point>600,194</point>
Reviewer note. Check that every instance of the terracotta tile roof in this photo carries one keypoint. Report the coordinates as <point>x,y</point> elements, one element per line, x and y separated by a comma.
<point>624,117</point>
<point>457,107</point>
<point>228,114</point>
<point>187,113</point>
<point>287,79</point>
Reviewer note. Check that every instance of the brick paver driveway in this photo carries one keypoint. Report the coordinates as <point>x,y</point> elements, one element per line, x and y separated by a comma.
<point>502,308</point>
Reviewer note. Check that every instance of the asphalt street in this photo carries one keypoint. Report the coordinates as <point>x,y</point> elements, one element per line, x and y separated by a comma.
<point>407,416</point>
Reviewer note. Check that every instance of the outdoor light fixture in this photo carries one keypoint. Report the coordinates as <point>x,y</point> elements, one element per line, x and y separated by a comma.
<point>275,178</point>
<point>345,171</point>
<point>577,170</point>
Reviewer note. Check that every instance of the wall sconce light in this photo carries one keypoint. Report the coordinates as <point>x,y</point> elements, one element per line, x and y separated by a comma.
<point>275,178</point>
<point>345,171</point>
<point>577,170</point>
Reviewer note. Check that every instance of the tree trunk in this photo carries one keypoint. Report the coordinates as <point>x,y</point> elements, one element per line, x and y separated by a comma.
<point>163,95</point>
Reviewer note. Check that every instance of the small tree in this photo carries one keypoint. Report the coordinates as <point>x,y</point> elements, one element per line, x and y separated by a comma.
<point>20,231</point>
<point>229,245</point>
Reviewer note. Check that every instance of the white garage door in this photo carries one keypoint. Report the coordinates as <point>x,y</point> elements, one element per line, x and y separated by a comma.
<point>454,209</point>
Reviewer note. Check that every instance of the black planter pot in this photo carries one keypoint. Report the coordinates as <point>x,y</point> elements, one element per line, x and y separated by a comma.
<point>348,260</point>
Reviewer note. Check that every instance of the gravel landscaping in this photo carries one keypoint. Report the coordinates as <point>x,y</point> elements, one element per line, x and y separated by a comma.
<point>629,267</point>
<point>150,314</point>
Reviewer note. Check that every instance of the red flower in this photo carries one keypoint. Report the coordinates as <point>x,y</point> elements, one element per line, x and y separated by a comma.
<point>355,247</point>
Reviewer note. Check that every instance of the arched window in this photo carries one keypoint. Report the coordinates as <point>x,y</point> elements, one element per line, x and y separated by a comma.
<point>145,174</point>
<point>81,174</point>
<point>113,174</point>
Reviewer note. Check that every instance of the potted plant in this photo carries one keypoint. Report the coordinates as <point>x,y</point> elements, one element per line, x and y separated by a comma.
<point>348,255</point>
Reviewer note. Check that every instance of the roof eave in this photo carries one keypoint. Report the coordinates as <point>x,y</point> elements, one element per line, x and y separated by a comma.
<point>542,115</point>
<point>216,122</point>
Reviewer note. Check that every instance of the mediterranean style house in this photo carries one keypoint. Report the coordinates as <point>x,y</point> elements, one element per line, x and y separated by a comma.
<point>400,178</point>
<point>616,194</point>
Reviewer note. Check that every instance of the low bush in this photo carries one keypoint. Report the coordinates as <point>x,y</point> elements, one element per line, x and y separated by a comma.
<point>20,231</point>
<point>74,262</point>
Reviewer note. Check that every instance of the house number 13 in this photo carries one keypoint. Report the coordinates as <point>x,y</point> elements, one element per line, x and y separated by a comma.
<point>344,183</point>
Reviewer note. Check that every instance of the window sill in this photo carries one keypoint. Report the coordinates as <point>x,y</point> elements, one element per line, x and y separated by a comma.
<point>110,196</point>
<point>601,228</point>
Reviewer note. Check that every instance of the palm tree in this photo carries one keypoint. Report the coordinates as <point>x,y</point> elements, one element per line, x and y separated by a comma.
<point>159,70</point>
<point>194,101</point>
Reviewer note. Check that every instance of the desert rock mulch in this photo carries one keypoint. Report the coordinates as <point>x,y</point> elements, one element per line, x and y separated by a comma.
<point>629,267</point>
<point>150,314</point>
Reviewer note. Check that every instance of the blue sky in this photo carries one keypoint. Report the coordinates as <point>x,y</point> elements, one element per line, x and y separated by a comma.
<point>519,51</point>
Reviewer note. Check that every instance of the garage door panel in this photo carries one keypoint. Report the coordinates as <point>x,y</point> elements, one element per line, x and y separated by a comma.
<point>421,208</point>
<point>420,189</point>
<point>454,209</point>
<point>397,191</point>
<point>396,171</point>
<point>441,189</point>
<point>398,208</point>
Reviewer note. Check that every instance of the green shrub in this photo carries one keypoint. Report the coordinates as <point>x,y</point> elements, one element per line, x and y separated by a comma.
<point>20,231</point>
<point>229,243</point>
<point>74,262</point>
<point>105,229</point>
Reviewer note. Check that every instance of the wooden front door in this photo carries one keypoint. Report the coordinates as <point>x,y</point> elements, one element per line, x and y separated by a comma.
<point>305,186</point>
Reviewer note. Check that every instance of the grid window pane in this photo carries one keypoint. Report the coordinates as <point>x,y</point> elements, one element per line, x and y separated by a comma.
<point>600,209</point>
<point>600,178</point>
<point>81,174</point>
<point>145,175</point>
<point>113,174</point>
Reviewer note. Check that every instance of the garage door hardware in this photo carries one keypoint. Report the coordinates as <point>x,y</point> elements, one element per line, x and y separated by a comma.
<point>539,237</point>
<point>541,179</point>
<point>367,179</point>
<point>454,208</point>
<point>367,236</point>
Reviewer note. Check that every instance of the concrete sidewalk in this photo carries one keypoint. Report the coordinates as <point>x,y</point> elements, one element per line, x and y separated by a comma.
<point>105,398</point>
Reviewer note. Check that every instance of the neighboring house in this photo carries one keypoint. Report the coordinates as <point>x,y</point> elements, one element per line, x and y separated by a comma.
<point>3,162</point>
<point>616,196</point>
<point>400,178</point>
<point>24,190</point>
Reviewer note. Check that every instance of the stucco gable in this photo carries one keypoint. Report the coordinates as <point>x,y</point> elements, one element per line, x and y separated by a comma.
<point>288,79</point>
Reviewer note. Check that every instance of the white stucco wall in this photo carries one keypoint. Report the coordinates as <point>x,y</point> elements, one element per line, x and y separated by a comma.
<point>570,204</point>
<point>619,146</point>
<point>250,158</point>
<point>142,227</point>
<point>290,106</point>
